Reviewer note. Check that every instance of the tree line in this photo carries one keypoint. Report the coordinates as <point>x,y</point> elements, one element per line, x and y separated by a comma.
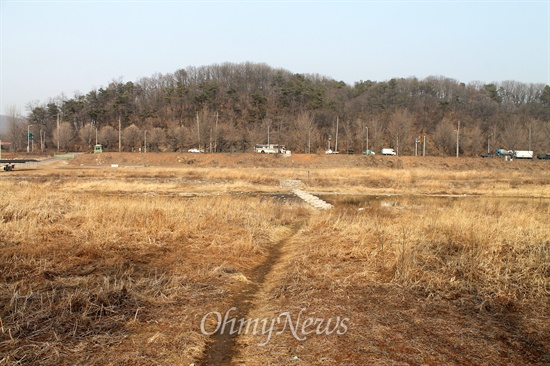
<point>231,107</point>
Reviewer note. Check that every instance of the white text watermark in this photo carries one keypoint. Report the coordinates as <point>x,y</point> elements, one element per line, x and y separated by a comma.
<point>300,326</point>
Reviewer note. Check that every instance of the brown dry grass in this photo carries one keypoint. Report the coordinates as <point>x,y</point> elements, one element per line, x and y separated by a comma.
<point>426,281</point>
<point>117,266</point>
<point>226,173</point>
<point>80,272</point>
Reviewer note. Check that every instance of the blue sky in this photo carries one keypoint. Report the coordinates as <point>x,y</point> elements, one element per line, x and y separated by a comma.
<point>49,48</point>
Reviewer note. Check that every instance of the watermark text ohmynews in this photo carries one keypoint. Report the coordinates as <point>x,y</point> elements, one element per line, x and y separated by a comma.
<point>300,326</point>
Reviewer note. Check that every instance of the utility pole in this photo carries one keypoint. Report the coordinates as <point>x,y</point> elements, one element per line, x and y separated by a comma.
<point>41,142</point>
<point>336,141</point>
<point>198,131</point>
<point>216,134</point>
<point>424,145</point>
<point>58,132</point>
<point>457,139</point>
<point>367,148</point>
<point>309,140</point>
<point>145,147</point>
<point>268,135</point>
<point>397,147</point>
<point>119,135</point>
<point>529,137</point>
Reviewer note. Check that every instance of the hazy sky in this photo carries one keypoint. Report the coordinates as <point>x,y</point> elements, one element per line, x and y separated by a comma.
<point>54,47</point>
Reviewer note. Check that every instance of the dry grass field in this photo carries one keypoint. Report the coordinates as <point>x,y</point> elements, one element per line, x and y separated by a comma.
<point>421,261</point>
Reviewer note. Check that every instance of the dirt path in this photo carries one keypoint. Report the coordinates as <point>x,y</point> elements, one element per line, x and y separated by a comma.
<point>222,348</point>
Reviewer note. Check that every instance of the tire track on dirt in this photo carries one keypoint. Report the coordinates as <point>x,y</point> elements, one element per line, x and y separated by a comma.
<point>223,346</point>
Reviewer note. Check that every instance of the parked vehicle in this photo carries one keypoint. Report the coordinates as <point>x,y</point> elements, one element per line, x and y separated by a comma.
<point>270,149</point>
<point>388,152</point>
<point>523,154</point>
<point>195,151</point>
<point>503,152</point>
<point>543,156</point>
<point>368,152</point>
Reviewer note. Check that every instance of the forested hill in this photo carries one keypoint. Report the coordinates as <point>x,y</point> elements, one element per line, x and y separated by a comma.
<point>231,107</point>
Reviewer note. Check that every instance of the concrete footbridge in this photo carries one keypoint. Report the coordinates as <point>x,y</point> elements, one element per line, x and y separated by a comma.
<point>314,201</point>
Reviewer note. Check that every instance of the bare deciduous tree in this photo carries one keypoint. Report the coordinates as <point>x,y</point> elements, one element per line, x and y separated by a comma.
<point>400,130</point>
<point>303,130</point>
<point>176,137</point>
<point>515,134</point>
<point>63,135</point>
<point>17,132</point>
<point>257,134</point>
<point>156,138</point>
<point>108,137</point>
<point>229,137</point>
<point>131,136</point>
<point>351,134</point>
<point>445,136</point>
<point>203,129</point>
<point>87,135</point>
<point>540,135</point>
<point>473,141</point>
<point>376,131</point>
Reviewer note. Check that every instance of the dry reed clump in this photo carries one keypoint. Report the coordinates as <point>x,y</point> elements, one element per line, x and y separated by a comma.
<point>426,180</point>
<point>83,272</point>
<point>484,250</point>
<point>498,254</point>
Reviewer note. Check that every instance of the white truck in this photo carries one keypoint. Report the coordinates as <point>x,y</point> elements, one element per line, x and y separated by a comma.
<point>388,152</point>
<point>523,154</point>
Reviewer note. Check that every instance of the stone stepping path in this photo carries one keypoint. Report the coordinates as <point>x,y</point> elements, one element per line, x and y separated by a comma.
<point>314,201</point>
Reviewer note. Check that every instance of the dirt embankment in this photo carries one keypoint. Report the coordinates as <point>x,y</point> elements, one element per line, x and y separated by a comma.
<point>250,160</point>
